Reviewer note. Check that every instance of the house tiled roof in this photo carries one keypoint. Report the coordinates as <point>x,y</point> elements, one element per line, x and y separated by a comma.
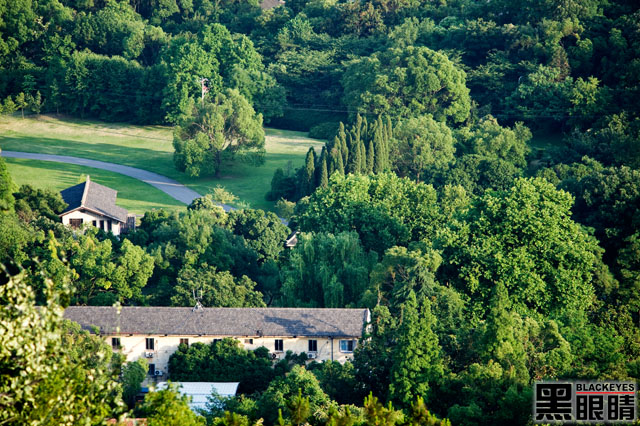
<point>96,197</point>
<point>270,4</point>
<point>221,321</point>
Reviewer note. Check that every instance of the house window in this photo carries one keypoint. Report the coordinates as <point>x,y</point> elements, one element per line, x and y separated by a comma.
<point>184,342</point>
<point>109,225</point>
<point>94,223</point>
<point>75,223</point>
<point>248,341</point>
<point>102,225</point>
<point>115,343</point>
<point>279,345</point>
<point>216,340</point>
<point>313,346</point>
<point>152,369</point>
<point>347,345</point>
<point>150,344</point>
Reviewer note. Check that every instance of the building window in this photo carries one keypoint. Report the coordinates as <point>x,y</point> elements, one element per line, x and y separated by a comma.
<point>94,223</point>
<point>115,343</point>
<point>313,346</point>
<point>109,225</point>
<point>152,369</point>
<point>216,340</point>
<point>248,341</point>
<point>347,345</point>
<point>150,343</point>
<point>75,223</point>
<point>279,345</point>
<point>184,342</point>
<point>102,225</point>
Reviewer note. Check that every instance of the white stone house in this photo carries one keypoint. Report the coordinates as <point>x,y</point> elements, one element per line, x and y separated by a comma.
<point>156,332</point>
<point>95,204</point>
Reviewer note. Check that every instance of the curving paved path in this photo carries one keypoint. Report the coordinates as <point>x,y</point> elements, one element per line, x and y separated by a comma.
<point>169,186</point>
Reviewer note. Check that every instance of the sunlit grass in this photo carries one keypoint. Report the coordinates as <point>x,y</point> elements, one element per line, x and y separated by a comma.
<point>133,195</point>
<point>151,148</point>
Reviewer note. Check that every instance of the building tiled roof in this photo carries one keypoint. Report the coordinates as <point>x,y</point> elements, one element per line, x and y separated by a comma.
<point>94,196</point>
<point>270,4</point>
<point>221,321</point>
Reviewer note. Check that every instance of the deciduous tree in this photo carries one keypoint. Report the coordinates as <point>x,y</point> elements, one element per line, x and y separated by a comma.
<point>226,127</point>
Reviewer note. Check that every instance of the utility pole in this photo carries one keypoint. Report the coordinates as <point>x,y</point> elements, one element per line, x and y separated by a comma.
<point>204,88</point>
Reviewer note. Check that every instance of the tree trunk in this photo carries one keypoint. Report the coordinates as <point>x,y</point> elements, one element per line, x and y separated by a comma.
<point>218,161</point>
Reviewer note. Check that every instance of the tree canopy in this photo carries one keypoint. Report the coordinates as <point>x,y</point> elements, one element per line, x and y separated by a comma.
<point>225,128</point>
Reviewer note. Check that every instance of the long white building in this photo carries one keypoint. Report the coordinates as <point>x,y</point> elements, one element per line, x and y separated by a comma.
<point>156,332</point>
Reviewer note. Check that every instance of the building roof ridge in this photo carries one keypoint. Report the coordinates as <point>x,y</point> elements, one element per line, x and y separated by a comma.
<point>86,191</point>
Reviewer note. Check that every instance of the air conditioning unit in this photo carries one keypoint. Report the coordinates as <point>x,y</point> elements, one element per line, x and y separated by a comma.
<point>148,354</point>
<point>159,373</point>
<point>312,355</point>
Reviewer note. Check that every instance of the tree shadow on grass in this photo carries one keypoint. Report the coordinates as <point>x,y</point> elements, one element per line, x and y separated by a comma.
<point>155,161</point>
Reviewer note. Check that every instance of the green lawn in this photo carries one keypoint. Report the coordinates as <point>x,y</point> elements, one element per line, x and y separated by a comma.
<point>150,148</point>
<point>133,195</point>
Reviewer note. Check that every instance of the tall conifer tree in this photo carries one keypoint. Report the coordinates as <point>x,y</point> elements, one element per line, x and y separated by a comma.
<point>363,158</point>
<point>370,157</point>
<point>417,358</point>
<point>308,184</point>
<point>353,164</point>
<point>323,179</point>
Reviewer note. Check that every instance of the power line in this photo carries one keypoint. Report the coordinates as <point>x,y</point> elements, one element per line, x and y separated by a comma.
<point>530,114</point>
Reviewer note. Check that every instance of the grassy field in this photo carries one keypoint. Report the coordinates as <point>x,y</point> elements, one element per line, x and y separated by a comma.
<point>133,195</point>
<point>150,148</point>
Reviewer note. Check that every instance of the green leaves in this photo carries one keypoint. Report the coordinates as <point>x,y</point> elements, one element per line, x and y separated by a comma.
<point>417,358</point>
<point>214,288</point>
<point>407,82</point>
<point>51,372</point>
<point>383,209</point>
<point>223,361</point>
<point>228,125</point>
<point>326,271</point>
<point>525,239</point>
<point>168,407</point>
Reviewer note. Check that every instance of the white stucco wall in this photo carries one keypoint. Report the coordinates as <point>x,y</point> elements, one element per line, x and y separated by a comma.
<point>88,218</point>
<point>134,347</point>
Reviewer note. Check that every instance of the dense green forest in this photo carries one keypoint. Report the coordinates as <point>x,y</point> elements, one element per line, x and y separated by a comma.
<point>489,260</point>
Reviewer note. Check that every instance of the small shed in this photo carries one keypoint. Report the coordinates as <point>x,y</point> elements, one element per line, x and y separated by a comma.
<point>199,392</point>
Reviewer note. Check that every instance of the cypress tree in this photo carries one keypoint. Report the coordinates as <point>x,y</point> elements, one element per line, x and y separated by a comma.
<point>323,181</point>
<point>356,129</point>
<point>337,165</point>
<point>370,157</point>
<point>322,160</point>
<point>335,144</point>
<point>331,161</point>
<point>388,128</point>
<point>364,130</point>
<point>386,146</point>
<point>355,159</point>
<point>343,148</point>
<point>341,131</point>
<point>363,157</point>
<point>417,358</point>
<point>501,342</point>
<point>309,173</point>
<point>379,161</point>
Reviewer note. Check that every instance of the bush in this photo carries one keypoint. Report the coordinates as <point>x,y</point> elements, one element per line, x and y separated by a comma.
<point>324,131</point>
